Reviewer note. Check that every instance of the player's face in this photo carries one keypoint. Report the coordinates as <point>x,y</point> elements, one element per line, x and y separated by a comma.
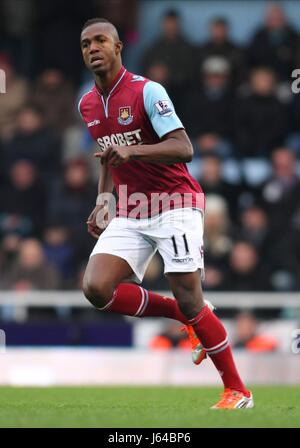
<point>100,49</point>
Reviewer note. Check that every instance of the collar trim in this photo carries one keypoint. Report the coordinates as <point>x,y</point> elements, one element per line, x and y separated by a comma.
<point>115,83</point>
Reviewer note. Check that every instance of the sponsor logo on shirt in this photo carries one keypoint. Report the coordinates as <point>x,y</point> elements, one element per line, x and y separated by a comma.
<point>121,139</point>
<point>163,107</point>
<point>93,123</point>
<point>125,116</point>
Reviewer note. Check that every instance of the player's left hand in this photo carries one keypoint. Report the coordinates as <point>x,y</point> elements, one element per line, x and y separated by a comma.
<point>114,155</point>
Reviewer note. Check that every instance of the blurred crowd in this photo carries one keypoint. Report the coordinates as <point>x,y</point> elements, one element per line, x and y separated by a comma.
<point>238,108</point>
<point>245,332</point>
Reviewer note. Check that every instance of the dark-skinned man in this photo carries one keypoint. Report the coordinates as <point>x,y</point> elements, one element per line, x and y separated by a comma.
<point>143,148</point>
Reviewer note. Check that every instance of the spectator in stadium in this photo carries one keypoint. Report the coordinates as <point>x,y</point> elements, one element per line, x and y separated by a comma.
<point>211,143</point>
<point>34,142</point>
<point>293,138</point>
<point>260,117</point>
<point>245,272</point>
<point>279,198</point>
<point>211,179</point>
<point>23,200</point>
<point>14,99</point>
<point>71,200</point>
<point>275,44</point>
<point>61,23</point>
<point>31,272</point>
<point>220,44</point>
<point>18,24</point>
<point>217,241</point>
<point>55,96</point>
<point>59,252</point>
<point>207,107</point>
<point>248,336</point>
<point>172,337</point>
<point>295,237</point>
<point>77,143</point>
<point>173,50</point>
<point>9,249</point>
<point>253,227</point>
<point>159,72</point>
<point>281,192</point>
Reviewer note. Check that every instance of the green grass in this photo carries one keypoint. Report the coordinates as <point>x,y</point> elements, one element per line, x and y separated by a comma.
<point>153,407</point>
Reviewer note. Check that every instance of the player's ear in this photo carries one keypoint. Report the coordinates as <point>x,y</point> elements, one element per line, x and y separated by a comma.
<point>119,47</point>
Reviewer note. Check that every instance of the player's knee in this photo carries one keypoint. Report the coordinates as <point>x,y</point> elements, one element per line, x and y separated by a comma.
<point>189,300</point>
<point>186,306</point>
<point>97,292</point>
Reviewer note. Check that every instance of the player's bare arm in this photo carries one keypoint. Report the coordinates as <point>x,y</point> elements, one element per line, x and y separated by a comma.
<point>175,147</point>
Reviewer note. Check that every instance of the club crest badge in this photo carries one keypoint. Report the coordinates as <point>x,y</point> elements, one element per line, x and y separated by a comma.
<point>125,116</point>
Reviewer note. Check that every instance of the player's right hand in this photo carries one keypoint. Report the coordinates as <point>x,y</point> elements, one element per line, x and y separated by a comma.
<point>92,225</point>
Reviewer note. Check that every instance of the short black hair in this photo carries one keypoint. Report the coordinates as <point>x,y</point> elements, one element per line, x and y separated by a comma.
<point>33,107</point>
<point>206,154</point>
<point>100,20</point>
<point>171,14</point>
<point>220,21</point>
<point>94,20</point>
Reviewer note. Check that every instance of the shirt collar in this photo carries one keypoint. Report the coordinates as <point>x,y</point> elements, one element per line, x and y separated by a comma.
<point>115,82</point>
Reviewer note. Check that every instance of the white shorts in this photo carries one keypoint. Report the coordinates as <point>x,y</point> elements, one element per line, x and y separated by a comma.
<point>176,234</point>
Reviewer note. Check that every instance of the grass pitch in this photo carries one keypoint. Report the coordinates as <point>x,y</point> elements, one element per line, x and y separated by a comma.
<point>143,407</point>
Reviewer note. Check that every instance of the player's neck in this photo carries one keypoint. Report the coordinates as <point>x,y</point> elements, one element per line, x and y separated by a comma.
<point>105,80</point>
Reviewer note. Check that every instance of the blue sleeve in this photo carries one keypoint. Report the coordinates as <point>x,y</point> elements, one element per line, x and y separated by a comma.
<point>160,109</point>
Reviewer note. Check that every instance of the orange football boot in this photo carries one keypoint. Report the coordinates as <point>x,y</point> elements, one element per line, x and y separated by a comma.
<point>198,352</point>
<point>234,399</point>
